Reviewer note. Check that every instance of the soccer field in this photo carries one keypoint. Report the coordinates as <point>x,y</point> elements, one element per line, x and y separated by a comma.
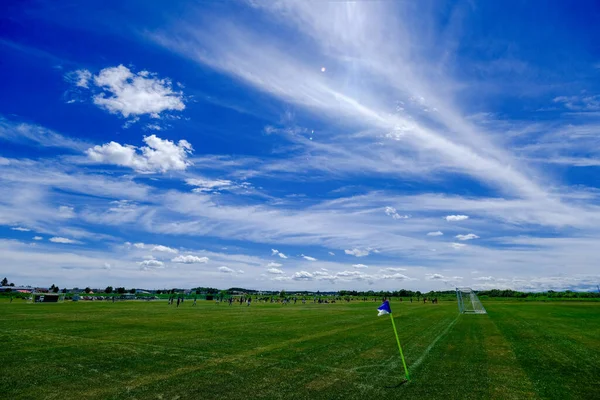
<point>150,350</point>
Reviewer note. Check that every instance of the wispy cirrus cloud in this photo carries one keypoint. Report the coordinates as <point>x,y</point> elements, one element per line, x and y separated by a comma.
<point>63,240</point>
<point>469,236</point>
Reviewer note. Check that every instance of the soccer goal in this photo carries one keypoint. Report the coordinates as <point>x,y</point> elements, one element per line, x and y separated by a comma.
<point>468,302</point>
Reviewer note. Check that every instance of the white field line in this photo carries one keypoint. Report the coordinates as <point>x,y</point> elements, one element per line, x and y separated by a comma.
<point>416,364</point>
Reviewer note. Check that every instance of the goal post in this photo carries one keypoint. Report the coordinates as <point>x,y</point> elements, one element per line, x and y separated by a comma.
<point>468,302</point>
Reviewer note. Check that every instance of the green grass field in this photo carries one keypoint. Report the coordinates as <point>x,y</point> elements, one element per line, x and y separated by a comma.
<point>150,350</point>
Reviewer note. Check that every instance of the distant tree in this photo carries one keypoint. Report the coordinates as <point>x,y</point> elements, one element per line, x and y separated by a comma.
<point>52,287</point>
<point>11,284</point>
<point>56,289</point>
<point>108,289</point>
<point>132,291</point>
<point>121,290</point>
<point>64,290</point>
<point>4,282</point>
<point>282,293</point>
<point>418,294</point>
<point>87,289</point>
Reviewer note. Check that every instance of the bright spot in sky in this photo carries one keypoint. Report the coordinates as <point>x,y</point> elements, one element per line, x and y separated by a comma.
<point>323,69</point>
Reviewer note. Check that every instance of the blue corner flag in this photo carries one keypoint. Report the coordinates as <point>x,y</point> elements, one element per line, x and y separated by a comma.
<point>384,309</point>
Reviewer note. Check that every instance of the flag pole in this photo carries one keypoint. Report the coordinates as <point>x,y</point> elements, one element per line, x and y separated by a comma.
<point>399,347</point>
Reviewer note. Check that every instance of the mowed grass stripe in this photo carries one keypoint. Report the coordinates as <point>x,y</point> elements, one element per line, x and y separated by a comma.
<point>557,346</point>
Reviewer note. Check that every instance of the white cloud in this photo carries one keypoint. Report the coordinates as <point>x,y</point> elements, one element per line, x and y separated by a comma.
<point>457,246</point>
<point>82,77</point>
<point>106,266</point>
<point>240,271</point>
<point>29,134</point>
<point>436,233</point>
<point>303,276</point>
<point>357,252</point>
<point>127,93</point>
<point>277,252</point>
<point>391,211</point>
<point>445,279</point>
<point>62,240</point>
<point>149,264</point>
<point>580,103</point>
<point>139,245</point>
<point>469,236</point>
<point>393,269</point>
<point>456,217</point>
<point>38,238</point>
<point>165,249</point>
<point>207,185</point>
<point>66,212</point>
<point>154,127</point>
<point>434,277</point>
<point>273,265</point>
<point>308,258</point>
<point>331,253</point>
<point>360,266</point>
<point>485,278</point>
<point>20,229</point>
<point>226,270</point>
<point>190,259</point>
<point>349,273</point>
<point>158,156</point>
<point>397,276</point>
<point>275,271</point>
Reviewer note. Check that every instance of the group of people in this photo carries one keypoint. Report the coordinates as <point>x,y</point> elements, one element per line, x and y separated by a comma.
<point>286,300</point>
<point>241,300</point>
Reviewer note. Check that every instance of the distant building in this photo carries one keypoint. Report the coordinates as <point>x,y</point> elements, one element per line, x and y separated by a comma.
<point>20,289</point>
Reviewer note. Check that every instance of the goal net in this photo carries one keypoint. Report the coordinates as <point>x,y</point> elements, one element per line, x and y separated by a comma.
<point>468,302</point>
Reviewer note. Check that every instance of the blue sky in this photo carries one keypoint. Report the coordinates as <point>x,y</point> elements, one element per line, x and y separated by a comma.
<point>296,144</point>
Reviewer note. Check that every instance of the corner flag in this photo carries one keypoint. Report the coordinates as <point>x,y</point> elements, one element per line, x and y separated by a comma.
<point>386,309</point>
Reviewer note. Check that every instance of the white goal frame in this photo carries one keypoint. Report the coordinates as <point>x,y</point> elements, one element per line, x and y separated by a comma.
<point>468,302</point>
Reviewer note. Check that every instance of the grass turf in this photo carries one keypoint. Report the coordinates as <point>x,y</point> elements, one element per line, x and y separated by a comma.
<point>150,350</point>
